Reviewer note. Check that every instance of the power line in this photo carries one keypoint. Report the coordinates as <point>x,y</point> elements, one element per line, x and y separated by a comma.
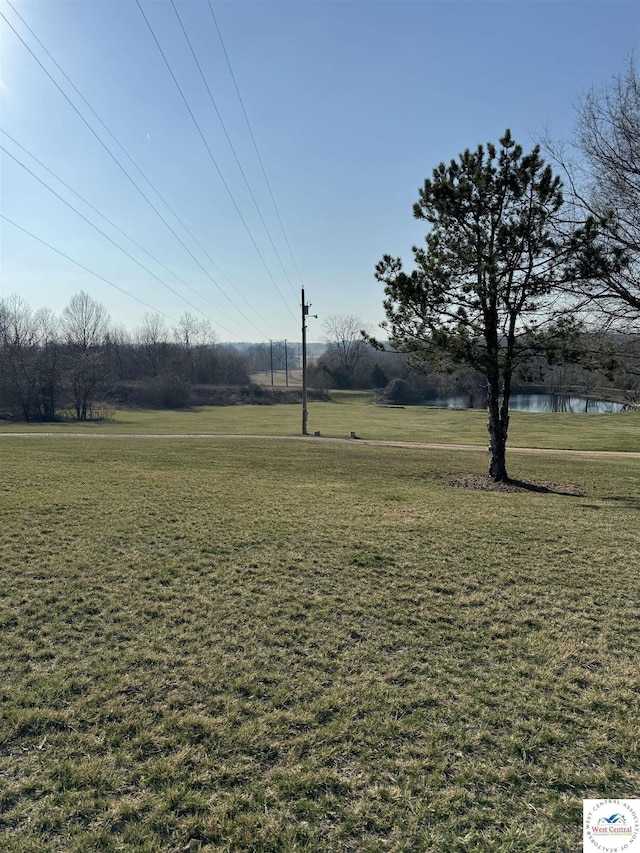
<point>115,159</point>
<point>213,160</point>
<point>106,218</point>
<point>106,236</point>
<point>215,106</point>
<point>86,269</point>
<point>255,144</point>
<point>126,153</point>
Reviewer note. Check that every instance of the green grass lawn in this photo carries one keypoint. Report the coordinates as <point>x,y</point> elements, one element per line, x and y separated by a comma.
<point>230,645</point>
<point>355,411</point>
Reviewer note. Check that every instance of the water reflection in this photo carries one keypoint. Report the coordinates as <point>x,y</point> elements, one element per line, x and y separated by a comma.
<point>563,403</point>
<point>540,403</point>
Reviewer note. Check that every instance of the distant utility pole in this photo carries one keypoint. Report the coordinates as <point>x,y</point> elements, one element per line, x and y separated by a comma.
<point>286,364</point>
<point>271,359</point>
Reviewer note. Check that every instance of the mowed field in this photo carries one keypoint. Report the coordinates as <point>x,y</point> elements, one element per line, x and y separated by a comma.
<point>354,411</point>
<point>280,378</point>
<point>227,644</point>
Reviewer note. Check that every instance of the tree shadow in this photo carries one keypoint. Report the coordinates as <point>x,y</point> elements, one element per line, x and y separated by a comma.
<point>548,488</point>
<point>628,501</point>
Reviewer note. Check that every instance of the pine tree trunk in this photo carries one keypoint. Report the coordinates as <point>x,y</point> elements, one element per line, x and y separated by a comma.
<point>497,436</point>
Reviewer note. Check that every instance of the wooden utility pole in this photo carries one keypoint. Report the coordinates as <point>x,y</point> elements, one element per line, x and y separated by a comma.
<point>305,311</point>
<point>305,314</point>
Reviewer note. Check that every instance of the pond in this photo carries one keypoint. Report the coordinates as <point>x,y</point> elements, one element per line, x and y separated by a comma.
<point>540,403</point>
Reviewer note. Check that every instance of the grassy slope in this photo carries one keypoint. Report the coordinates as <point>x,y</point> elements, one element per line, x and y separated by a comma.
<point>296,646</point>
<point>355,412</point>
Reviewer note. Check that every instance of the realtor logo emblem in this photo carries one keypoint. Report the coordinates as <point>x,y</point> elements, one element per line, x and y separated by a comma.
<point>611,826</point>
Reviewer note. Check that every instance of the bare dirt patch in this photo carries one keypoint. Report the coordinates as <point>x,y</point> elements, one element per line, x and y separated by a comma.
<point>484,484</point>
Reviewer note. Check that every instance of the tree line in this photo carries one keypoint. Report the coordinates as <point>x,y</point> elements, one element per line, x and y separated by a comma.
<point>79,363</point>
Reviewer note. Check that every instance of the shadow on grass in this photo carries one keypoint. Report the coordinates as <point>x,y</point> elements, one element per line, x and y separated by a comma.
<point>484,484</point>
<point>547,488</point>
<point>627,501</point>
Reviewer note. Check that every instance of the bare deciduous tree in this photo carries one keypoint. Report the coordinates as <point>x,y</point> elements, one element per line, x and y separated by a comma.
<point>603,177</point>
<point>18,339</point>
<point>197,340</point>
<point>152,338</point>
<point>343,335</point>
<point>608,133</point>
<point>29,361</point>
<point>85,323</point>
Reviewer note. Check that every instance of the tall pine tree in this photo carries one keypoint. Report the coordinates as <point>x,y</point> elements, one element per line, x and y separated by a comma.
<point>489,286</point>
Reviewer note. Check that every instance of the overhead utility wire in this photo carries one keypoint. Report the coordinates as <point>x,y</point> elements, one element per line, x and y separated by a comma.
<point>255,144</point>
<point>115,159</point>
<point>213,159</point>
<point>117,245</point>
<point>215,106</point>
<point>130,158</point>
<point>106,218</point>
<point>86,269</point>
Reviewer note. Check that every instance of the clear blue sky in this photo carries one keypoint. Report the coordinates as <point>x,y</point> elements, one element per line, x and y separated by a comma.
<point>352,105</point>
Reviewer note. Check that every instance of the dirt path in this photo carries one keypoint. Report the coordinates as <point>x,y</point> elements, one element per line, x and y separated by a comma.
<point>358,441</point>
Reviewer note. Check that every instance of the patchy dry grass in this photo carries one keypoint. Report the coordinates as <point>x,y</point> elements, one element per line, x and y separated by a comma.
<point>279,378</point>
<point>283,646</point>
<point>355,411</point>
